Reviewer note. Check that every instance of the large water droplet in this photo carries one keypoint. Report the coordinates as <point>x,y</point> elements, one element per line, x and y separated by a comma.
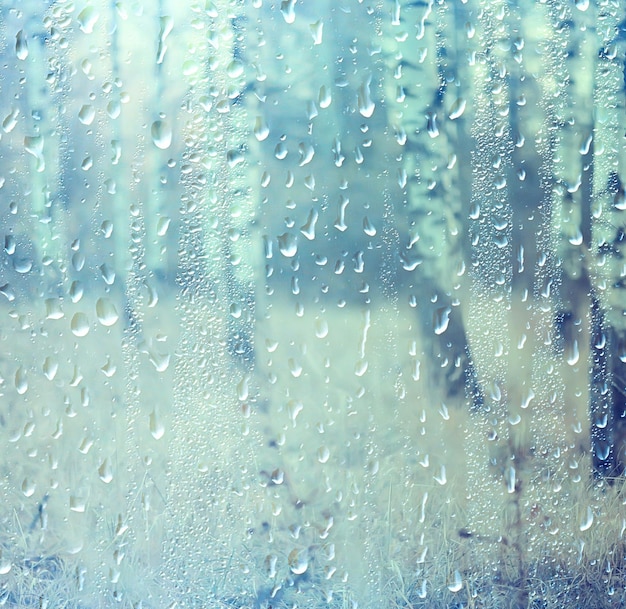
<point>261,129</point>
<point>106,312</point>
<point>287,8</point>
<point>298,561</point>
<point>34,145</point>
<point>21,45</point>
<point>364,99</point>
<point>87,19</point>
<point>288,245</point>
<point>156,426</point>
<point>21,381</point>
<point>161,133</point>
<point>86,114</point>
<point>80,325</point>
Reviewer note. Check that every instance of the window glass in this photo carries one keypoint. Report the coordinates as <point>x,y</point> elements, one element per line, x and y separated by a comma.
<point>312,303</point>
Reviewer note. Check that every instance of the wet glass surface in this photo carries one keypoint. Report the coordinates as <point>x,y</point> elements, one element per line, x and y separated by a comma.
<point>312,303</point>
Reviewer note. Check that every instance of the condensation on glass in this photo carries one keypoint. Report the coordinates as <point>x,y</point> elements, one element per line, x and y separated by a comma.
<point>312,303</point>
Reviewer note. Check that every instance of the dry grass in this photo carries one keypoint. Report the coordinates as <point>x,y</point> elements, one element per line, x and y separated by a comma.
<point>391,496</point>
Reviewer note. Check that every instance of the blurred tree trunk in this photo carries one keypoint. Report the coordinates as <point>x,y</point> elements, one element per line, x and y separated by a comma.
<point>608,240</point>
<point>427,97</point>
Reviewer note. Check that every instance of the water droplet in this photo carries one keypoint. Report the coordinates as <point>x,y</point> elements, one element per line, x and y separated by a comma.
<point>235,69</point>
<point>431,124</point>
<point>167,24</point>
<point>582,5</point>
<point>457,584</point>
<point>53,308</point>
<point>509,476</point>
<point>298,560</point>
<point>364,99</point>
<point>80,325</point>
<point>572,353</point>
<point>163,225</point>
<point>321,328</point>
<point>457,109</point>
<point>588,520</point>
<point>261,129</point>
<point>87,19</point>
<point>8,124</point>
<point>21,381</point>
<point>288,245</point>
<point>317,30</point>
<point>5,565</point>
<point>294,408</point>
<point>105,471</point>
<point>28,487</point>
<point>78,503</point>
<point>586,145</point>
<point>324,98</point>
<point>323,454</point>
<point>34,145</point>
<point>441,319</point>
<point>86,114</point>
<point>106,312</point>
<point>440,477</point>
<point>287,8</point>
<point>368,228</point>
<point>21,45</point>
<point>156,426</point>
<point>50,368</point>
<point>235,157</point>
<point>308,228</point>
<point>161,132</point>
<point>360,367</point>
<point>243,390</point>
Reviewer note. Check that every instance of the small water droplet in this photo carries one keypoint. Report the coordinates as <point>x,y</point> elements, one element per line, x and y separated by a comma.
<point>582,5</point>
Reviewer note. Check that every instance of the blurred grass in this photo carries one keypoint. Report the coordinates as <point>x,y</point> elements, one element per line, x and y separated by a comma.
<point>391,496</point>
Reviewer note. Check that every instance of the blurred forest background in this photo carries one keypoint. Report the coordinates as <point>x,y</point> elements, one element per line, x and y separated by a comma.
<point>313,302</point>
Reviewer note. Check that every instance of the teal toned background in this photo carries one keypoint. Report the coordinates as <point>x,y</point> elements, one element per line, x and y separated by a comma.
<point>312,303</point>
